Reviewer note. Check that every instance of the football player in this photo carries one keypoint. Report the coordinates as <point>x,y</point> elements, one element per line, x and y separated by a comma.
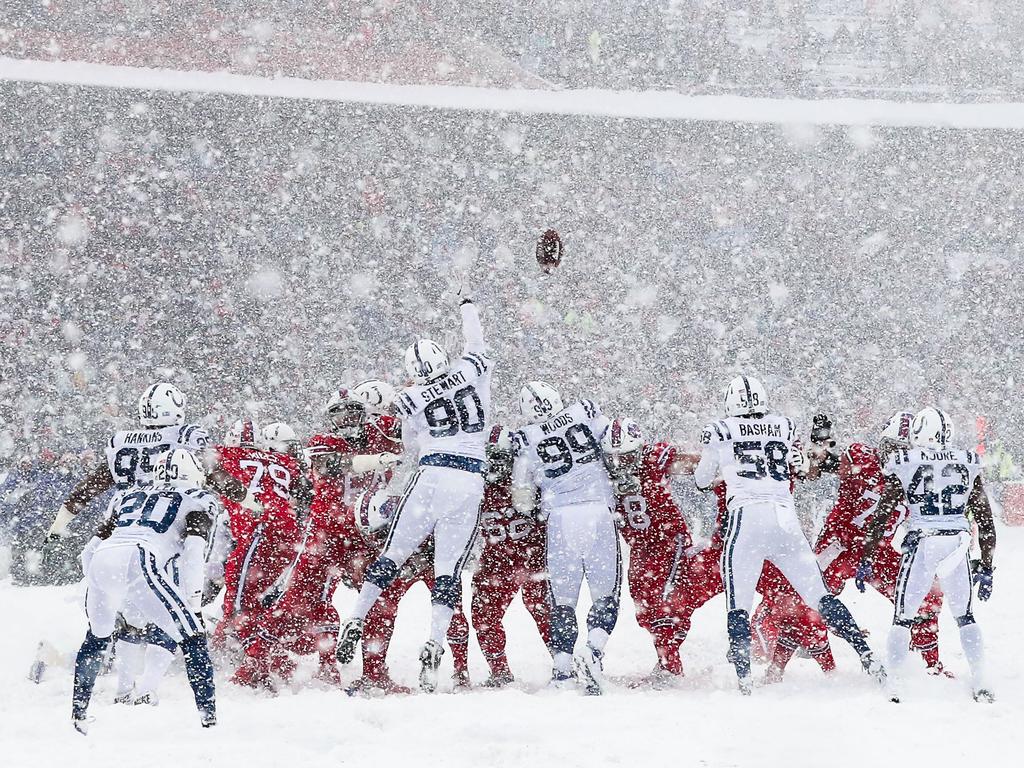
<point>154,523</point>
<point>130,456</point>
<point>653,527</point>
<point>559,453</point>
<point>445,420</point>
<point>840,546</point>
<point>754,452</point>
<point>942,487</point>
<point>512,560</point>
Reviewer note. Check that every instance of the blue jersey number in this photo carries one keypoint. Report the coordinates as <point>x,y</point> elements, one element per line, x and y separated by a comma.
<point>150,510</point>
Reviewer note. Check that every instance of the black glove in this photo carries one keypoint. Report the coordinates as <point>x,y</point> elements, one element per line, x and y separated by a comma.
<point>983,578</point>
<point>821,429</point>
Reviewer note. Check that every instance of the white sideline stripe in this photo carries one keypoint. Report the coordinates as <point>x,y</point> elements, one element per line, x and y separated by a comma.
<point>656,105</point>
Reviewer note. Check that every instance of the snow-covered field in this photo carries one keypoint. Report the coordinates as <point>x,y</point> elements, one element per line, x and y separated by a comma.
<point>808,720</point>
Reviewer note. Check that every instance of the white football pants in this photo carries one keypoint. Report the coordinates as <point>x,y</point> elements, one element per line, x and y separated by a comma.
<point>582,543</point>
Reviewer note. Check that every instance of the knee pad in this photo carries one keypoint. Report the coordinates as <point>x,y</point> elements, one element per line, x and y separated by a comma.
<point>447,591</point>
<point>603,614</point>
<point>156,636</point>
<point>382,572</point>
<point>564,628</point>
<point>963,621</point>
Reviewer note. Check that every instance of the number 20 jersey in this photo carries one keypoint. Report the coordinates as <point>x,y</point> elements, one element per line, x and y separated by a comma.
<point>155,516</point>
<point>451,414</point>
<point>752,455</point>
<point>131,453</point>
<point>937,485</point>
<point>562,457</point>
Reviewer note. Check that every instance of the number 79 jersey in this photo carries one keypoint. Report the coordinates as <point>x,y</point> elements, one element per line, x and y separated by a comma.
<point>562,457</point>
<point>937,485</point>
<point>451,414</point>
<point>752,455</point>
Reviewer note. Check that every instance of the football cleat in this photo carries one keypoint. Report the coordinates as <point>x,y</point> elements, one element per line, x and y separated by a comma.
<point>430,660</point>
<point>349,637</point>
<point>499,679</point>
<point>125,698</point>
<point>984,696</point>
<point>873,667</point>
<point>745,684</point>
<point>146,698</point>
<point>589,670</point>
<point>81,724</point>
<point>562,681</point>
<point>208,718</point>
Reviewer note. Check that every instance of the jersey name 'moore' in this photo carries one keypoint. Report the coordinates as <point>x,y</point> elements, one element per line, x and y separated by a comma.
<point>155,516</point>
<point>752,456</point>
<point>562,457</point>
<point>937,485</point>
<point>131,453</point>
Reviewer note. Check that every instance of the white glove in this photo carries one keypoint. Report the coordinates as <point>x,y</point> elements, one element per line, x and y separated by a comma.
<point>374,462</point>
<point>251,503</point>
<point>797,460</point>
<point>59,529</point>
<point>524,499</point>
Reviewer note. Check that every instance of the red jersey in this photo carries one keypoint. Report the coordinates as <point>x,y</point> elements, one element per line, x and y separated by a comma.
<point>381,435</point>
<point>502,526</point>
<point>653,514</point>
<point>269,475</point>
<point>860,487</point>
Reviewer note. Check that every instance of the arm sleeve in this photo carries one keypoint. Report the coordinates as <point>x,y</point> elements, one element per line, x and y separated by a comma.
<point>707,469</point>
<point>193,570</point>
<point>471,330</point>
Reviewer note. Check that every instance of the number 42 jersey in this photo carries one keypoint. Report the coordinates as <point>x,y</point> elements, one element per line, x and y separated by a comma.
<point>752,455</point>
<point>937,484</point>
<point>562,457</point>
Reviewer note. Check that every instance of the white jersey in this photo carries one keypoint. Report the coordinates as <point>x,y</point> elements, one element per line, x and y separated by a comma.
<point>131,453</point>
<point>562,457</point>
<point>452,414</point>
<point>752,455</point>
<point>937,486</point>
<point>155,517</point>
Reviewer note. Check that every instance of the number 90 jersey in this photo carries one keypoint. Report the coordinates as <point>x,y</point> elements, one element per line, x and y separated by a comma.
<point>451,414</point>
<point>155,516</point>
<point>937,484</point>
<point>562,457</point>
<point>752,455</point>
<point>131,453</point>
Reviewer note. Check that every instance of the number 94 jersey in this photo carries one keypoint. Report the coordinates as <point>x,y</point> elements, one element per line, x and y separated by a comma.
<point>155,516</point>
<point>451,414</point>
<point>937,484</point>
<point>562,457</point>
<point>752,456</point>
<point>131,453</point>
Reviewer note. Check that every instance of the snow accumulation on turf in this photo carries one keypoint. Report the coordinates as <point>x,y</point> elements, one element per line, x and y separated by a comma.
<point>807,720</point>
<point>658,105</point>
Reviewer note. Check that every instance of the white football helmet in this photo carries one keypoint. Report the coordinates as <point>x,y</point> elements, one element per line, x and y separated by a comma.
<point>374,511</point>
<point>278,437</point>
<point>623,436</point>
<point>897,429</point>
<point>746,396</point>
<point>375,394</point>
<point>345,411</point>
<point>162,405</point>
<point>931,428</point>
<point>425,361</point>
<point>180,466</point>
<point>538,400</point>
<point>242,432</point>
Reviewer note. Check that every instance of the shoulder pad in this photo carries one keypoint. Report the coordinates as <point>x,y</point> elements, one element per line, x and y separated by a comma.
<point>404,403</point>
<point>478,362</point>
<point>711,433</point>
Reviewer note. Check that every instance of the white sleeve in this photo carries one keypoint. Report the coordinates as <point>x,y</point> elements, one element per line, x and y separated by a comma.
<point>707,468</point>
<point>523,491</point>
<point>88,551</point>
<point>193,570</point>
<point>471,330</point>
<point>218,547</point>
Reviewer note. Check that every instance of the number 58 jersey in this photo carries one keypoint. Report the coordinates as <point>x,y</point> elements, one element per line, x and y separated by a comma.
<point>937,485</point>
<point>562,457</point>
<point>752,456</point>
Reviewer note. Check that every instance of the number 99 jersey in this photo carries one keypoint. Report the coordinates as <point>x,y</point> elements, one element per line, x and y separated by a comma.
<point>562,457</point>
<point>451,414</point>
<point>752,455</point>
<point>937,484</point>
<point>155,516</point>
<point>131,453</point>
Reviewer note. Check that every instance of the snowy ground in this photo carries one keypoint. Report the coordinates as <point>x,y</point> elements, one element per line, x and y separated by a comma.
<point>808,720</point>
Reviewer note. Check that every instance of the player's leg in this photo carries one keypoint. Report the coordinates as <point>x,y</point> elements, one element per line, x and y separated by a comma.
<point>378,631</point>
<point>414,521</point>
<point>129,657</point>
<point>458,641</point>
<point>537,592</point>
<point>565,564</point>
<point>494,586</point>
<point>158,598</point>
<point>794,557</point>
<point>107,585</point>
<point>159,654</point>
<point>602,566</point>
<point>741,561</point>
<point>885,568</point>
<point>924,636</point>
<point>921,555</point>
<point>458,517</point>
<point>957,584</point>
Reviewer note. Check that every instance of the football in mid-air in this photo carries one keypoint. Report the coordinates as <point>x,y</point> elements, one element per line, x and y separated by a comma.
<point>549,251</point>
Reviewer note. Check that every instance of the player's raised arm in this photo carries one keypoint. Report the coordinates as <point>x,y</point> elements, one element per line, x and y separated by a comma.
<point>707,468</point>
<point>980,510</point>
<point>524,492</point>
<point>472,331</point>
